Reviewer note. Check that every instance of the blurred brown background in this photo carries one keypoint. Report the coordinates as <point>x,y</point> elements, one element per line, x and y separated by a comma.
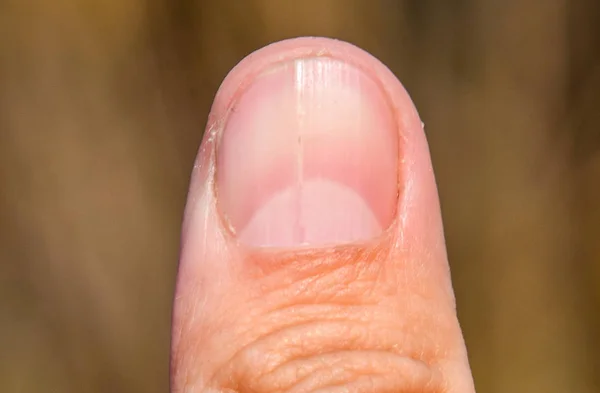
<point>102,106</point>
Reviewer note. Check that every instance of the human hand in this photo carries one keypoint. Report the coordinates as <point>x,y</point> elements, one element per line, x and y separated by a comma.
<point>313,255</point>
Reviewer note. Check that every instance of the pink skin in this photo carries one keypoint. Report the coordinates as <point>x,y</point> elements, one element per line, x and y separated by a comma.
<point>367,311</point>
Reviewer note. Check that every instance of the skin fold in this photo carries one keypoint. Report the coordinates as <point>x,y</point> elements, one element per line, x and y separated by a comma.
<point>373,314</point>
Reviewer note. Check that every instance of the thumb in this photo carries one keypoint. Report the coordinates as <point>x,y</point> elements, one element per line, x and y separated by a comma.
<point>313,255</point>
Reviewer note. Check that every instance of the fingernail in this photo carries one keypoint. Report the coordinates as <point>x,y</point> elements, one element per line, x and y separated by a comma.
<point>308,156</point>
